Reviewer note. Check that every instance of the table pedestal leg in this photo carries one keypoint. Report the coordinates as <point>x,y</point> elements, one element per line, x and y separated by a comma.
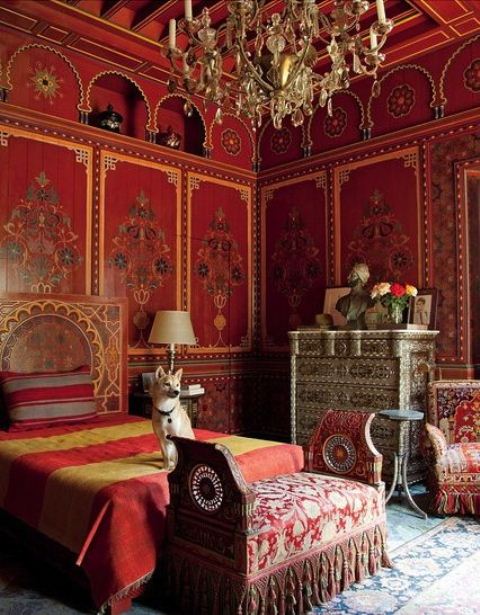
<point>407,490</point>
<point>396,476</point>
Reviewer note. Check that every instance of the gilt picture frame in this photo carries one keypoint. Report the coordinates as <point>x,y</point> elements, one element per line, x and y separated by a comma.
<point>423,308</point>
<point>332,295</point>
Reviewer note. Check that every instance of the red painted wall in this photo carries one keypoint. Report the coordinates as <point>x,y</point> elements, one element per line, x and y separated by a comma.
<point>88,211</point>
<point>396,200</point>
<point>115,201</point>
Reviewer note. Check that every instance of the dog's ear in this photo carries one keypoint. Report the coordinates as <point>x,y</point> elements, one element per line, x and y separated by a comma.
<point>160,373</point>
<point>178,373</point>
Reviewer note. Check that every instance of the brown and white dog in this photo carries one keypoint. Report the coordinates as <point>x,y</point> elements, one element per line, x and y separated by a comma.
<point>168,416</point>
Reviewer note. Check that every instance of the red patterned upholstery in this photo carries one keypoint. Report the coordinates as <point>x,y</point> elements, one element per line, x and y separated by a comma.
<point>282,544</point>
<point>454,432</point>
<point>294,510</point>
<point>34,400</point>
<point>454,407</point>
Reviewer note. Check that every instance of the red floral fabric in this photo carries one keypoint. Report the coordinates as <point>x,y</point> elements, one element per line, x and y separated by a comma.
<point>454,407</point>
<point>295,513</point>
<point>455,475</point>
<point>460,459</point>
<point>454,411</point>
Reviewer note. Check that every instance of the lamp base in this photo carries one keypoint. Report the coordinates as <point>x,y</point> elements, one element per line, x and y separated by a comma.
<point>171,358</point>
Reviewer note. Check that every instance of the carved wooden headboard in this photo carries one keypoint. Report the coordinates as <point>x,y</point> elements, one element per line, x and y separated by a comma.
<point>62,332</point>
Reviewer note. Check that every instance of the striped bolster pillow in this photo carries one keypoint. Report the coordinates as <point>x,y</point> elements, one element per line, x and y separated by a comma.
<point>38,400</point>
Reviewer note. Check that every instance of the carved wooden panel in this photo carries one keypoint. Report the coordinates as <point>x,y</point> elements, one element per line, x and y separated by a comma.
<point>62,332</point>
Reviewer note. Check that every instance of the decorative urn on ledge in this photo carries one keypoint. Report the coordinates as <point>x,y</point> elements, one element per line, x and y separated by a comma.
<point>109,119</point>
<point>170,138</point>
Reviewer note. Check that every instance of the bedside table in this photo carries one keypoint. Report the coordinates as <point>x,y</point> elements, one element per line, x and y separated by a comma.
<point>141,404</point>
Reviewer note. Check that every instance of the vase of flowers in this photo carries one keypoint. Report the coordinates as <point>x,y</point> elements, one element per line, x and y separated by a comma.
<point>395,297</point>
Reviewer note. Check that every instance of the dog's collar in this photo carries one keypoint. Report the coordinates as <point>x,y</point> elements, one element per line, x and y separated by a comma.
<point>167,414</point>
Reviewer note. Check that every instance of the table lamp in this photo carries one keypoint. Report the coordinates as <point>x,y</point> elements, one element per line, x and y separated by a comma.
<point>172,327</point>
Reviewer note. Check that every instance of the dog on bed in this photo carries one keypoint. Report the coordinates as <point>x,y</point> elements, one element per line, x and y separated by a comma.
<point>168,416</point>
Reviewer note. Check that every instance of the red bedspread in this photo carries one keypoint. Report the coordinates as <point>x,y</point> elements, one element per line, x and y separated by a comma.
<point>98,490</point>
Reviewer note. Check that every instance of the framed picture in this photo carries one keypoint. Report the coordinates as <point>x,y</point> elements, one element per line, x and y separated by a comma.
<point>332,295</point>
<point>423,308</point>
<point>147,379</point>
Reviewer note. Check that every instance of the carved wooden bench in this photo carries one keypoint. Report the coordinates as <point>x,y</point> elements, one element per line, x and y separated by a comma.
<point>278,545</point>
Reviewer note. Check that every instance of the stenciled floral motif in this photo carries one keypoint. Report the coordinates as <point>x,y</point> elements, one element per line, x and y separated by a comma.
<point>40,240</point>
<point>296,262</point>
<point>401,100</point>
<point>381,242</point>
<point>45,82</point>
<point>281,140</point>
<point>219,266</point>
<point>334,125</point>
<point>231,142</point>
<point>471,76</point>
<point>141,255</point>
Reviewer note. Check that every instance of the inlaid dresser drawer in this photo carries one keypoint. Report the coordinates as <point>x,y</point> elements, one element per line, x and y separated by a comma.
<point>348,370</point>
<point>317,395</point>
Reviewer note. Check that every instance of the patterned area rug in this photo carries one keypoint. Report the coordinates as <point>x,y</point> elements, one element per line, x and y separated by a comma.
<point>435,574</point>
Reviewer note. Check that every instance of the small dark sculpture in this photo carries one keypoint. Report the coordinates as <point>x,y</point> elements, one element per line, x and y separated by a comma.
<point>354,305</point>
<point>110,119</point>
<point>170,138</point>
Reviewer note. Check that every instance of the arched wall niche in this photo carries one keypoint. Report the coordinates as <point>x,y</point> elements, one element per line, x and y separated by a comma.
<point>126,98</point>
<point>176,113</point>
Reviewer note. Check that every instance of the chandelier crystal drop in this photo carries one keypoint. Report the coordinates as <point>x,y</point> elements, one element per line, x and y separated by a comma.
<point>275,56</point>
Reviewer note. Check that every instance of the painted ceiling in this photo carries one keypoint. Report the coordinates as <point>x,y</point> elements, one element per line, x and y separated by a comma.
<point>132,34</point>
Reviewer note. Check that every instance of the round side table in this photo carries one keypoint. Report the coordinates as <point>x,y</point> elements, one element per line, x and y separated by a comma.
<point>400,460</point>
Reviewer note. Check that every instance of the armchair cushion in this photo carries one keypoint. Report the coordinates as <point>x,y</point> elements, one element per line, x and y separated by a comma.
<point>462,459</point>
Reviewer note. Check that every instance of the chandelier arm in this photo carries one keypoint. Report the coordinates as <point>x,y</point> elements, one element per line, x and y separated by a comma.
<point>176,57</point>
<point>296,70</point>
<point>264,84</point>
<point>325,41</point>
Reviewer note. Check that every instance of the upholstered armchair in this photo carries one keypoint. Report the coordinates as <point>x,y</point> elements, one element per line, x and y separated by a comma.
<point>453,429</point>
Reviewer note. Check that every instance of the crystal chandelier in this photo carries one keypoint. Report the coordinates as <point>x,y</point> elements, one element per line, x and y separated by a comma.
<point>274,56</point>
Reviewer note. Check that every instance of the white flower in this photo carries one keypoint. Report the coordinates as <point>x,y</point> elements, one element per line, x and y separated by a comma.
<point>380,289</point>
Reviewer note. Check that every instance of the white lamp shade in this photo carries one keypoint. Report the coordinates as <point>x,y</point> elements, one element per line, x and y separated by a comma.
<point>172,327</point>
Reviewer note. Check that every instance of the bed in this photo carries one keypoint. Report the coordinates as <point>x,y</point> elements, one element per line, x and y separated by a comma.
<point>92,489</point>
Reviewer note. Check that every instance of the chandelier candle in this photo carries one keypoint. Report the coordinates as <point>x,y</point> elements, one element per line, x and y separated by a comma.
<point>172,34</point>
<point>382,18</point>
<point>188,10</point>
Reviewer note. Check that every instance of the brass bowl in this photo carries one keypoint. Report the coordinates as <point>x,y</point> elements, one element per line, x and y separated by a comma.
<point>324,321</point>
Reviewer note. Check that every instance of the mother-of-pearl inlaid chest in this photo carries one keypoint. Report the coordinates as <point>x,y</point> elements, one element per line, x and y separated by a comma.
<point>362,370</point>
